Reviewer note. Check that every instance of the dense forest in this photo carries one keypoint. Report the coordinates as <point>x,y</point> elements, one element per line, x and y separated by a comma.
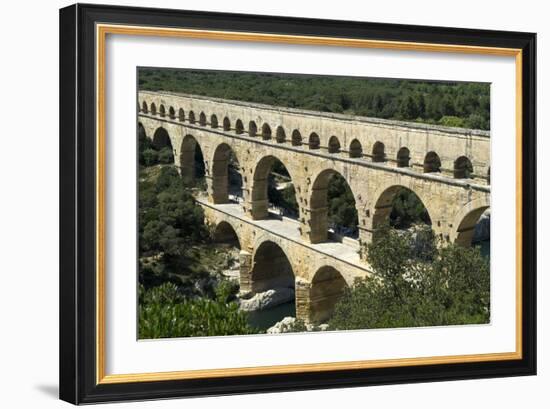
<point>456,104</point>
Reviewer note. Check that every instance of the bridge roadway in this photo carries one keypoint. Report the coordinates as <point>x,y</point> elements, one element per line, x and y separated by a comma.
<point>274,254</point>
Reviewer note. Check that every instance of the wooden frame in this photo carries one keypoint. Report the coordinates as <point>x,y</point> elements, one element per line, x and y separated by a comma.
<point>82,37</point>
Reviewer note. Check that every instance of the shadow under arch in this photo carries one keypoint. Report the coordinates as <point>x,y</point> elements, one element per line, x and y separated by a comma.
<point>467,219</point>
<point>191,161</point>
<point>225,233</point>
<point>327,288</point>
<point>319,204</point>
<point>226,178</point>
<point>385,208</point>
<point>271,268</point>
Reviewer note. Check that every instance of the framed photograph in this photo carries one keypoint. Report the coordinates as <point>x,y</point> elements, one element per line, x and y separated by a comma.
<point>258,203</point>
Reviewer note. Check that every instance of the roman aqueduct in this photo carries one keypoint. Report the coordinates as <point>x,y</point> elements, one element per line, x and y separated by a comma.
<point>447,168</point>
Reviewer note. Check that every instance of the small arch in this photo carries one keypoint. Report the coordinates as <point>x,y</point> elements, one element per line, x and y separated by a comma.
<point>378,152</point>
<point>355,149</point>
<point>432,163</point>
<point>172,113</point>
<point>266,132</point>
<point>226,124</point>
<point>162,111</point>
<point>489,175</point>
<point>314,141</point>
<point>333,145</point>
<point>144,108</point>
<point>463,168</point>
<point>202,119</point>
<point>239,127</point>
<point>280,135</point>
<point>224,233</point>
<point>403,157</point>
<point>181,115</point>
<point>296,138</point>
<point>213,121</point>
<point>153,108</point>
<point>327,287</point>
<point>192,119</point>
<point>252,129</point>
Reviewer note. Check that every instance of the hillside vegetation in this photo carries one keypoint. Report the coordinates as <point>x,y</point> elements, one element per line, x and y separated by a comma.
<point>445,103</point>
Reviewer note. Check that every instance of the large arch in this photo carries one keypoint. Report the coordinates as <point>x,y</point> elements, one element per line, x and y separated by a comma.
<point>271,268</point>
<point>222,164</point>
<point>161,139</point>
<point>327,287</point>
<point>260,199</point>
<point>384,205</point>
<point>225,233</point>
<point>319,205</point>
<point>191,160</point>
<point>466,219</point>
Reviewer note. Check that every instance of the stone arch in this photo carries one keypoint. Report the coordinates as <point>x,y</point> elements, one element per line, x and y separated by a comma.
<point>463,168</point>
<point>239,127</point>
<point>489,175</point>
<point>384,204</point>
<point>226,124</point>
<point>225,233</point>
<point>403,157</point>
<point>144,107</point>
<point>271,268</point>
<point>162,111</point>
<point>142,134</point>
<point>327,287</point>
<point>466,219</point>
<point>333,145</point>
<point>266,132</point>
<point>171,113</point>
<point>378,152</point>
<point>213,121</point>
<point>153,108</point>
<point>190,156</point>
<point>191,116</point>
<point>314,141</point>
<point>432,162</point>
<point>161,139</point>
<point>252,129</point>
<point>296,138</point>
<point>202,119</point>
<point>280,135</point>
<point>181,115</point>
<point>318,203</point>
<point>221,162</point>
<point>355,149</point>
<point>259,195</point>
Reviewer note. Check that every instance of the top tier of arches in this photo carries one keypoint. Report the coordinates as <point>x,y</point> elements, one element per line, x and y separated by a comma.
<point>467,157</point>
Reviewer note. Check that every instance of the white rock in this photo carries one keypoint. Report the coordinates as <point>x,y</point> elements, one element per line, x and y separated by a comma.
<point>282,326</point>
<point>267,299</point>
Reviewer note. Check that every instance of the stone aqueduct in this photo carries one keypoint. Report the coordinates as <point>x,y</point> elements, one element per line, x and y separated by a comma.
<point>447,168</point>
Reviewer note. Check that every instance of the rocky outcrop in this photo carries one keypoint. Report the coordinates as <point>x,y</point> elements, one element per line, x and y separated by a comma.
<point>267,299</point>
<point>285,325</point>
